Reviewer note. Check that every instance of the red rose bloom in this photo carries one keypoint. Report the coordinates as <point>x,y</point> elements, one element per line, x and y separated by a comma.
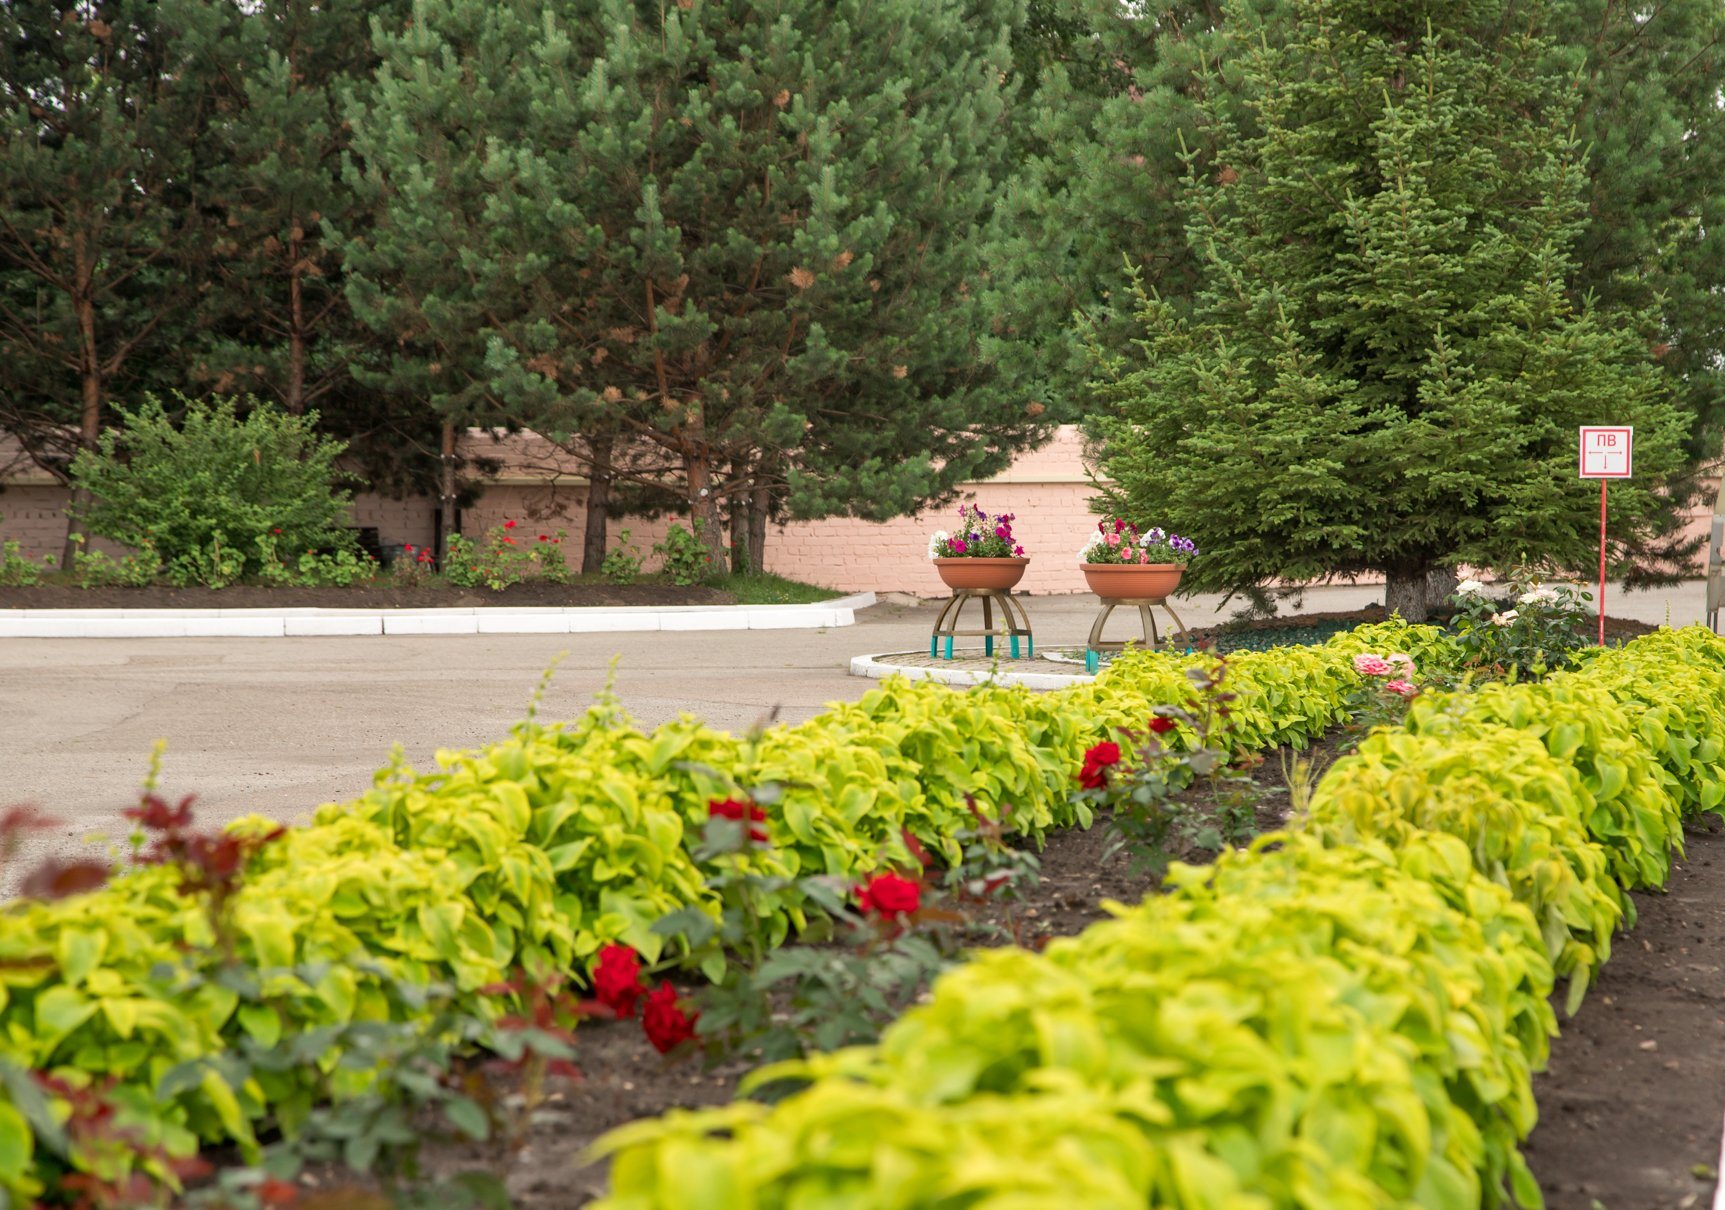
<point>740,810</point>
<point>1096,762</point>
<point>667,1025</point>
<point>1161,725</point>
<point>889,896</point>
<point>509,525</point>
<point>617,979</point>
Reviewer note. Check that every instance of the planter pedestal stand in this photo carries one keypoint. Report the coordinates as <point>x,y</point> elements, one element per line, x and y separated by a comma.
<point>1015,622</point>
<point>1152,640</point>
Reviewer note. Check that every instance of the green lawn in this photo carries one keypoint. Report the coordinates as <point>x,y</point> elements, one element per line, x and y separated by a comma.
<point>764,588</point>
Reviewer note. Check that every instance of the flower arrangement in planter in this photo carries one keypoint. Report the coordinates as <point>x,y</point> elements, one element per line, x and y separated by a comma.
<point>980,553</point>
<point>1121,563</point>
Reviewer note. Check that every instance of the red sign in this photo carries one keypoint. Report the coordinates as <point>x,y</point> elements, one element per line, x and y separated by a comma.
<point>1607,453</point>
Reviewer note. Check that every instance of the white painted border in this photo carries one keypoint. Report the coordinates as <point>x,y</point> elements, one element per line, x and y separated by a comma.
<point>298,622</point>
<point>1005,674</point>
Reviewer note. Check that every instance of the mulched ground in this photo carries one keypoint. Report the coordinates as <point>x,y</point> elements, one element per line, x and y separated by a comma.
<point>369,596</point>
<point>1631,1104</point>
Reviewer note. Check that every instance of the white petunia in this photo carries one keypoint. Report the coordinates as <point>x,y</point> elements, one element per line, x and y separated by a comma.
<point>1092,544</point>
<point>940,535</point>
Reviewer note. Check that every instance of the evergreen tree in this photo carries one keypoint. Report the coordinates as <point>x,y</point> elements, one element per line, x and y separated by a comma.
<point>283,323</point>
<point>1384,368</point>
<point>277,319</point>
<point>1096,197</point>
<point>101,201</point>
<point>737,240</point>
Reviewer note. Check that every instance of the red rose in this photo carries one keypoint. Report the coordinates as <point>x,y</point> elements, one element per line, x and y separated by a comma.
<point>545,537</point>
<point>509,525</point>
<point>617,979</point>
<point>740,810</point>
<point>1161,725</point>
<point>276,1192</point>
<point>1096,761</point>
<point>667,1025</point>
<point>889,896</point>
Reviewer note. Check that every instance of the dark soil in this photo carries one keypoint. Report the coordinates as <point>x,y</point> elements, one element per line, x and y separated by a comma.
<point>1630,1106</point>
<point>364,596</point>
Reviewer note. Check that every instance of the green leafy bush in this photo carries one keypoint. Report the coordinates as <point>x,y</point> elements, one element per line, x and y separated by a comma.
<point>1345,1014</point>
<point>203,492</point>
<point>19,570</point>
<point>683,557</point>
<point>98,569</point>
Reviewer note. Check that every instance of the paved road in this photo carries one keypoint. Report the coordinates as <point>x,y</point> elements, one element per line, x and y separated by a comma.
<point>278,726</point>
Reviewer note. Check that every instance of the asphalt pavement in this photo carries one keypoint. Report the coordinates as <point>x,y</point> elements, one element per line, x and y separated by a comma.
<point>277,726</point>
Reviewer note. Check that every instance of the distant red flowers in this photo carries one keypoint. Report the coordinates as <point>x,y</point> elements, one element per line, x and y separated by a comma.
<point>617,979</point>
<point>1097,761</point>
<point>666,1024</point>
<point>742,811</point>
<point>1161,725</point>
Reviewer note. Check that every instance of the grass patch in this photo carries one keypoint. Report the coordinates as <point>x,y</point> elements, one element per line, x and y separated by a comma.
<point>764,588</point>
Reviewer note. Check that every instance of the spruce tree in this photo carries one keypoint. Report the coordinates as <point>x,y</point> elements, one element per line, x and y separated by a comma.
<point>102,196</point>
<point>1384,366</point>
<point>737,242</point>
<point>1094,199</point>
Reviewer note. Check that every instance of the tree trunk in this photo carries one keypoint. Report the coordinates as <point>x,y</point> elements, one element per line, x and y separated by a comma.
<point>89,420</point>
<point>704,508</point>
<point>759,507</point>
<point>1417,592</point>
<point>446,494</point>
<point>593,533</point>
<point>295,399</point>
<point>741,517</point>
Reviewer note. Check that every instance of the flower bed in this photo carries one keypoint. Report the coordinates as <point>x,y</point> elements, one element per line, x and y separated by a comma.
<point>1347,1014</point>
<point>534,853</point>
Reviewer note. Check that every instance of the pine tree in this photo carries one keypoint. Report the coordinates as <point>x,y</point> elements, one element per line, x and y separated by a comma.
<point>101,201</point>
<point>736,242</point>
<point>1384,366</point>
<point>282,322</point>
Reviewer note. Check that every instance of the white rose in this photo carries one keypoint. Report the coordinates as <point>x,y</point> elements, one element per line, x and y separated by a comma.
<point>1504,619</point>
<point>1470,588</point>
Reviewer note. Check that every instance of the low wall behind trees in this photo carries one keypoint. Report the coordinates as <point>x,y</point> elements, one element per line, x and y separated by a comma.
<point>1047,489</point>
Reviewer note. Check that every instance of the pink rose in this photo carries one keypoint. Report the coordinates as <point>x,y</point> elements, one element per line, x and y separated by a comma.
<point>1372,665</point>
<point>1401,688</point>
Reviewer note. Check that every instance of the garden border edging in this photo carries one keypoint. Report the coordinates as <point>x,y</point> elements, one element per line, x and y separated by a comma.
<point>456,620</point>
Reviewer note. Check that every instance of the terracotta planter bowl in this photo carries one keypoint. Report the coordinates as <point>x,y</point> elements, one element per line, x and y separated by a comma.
<point>1134,581</point>
<point>997,574</point>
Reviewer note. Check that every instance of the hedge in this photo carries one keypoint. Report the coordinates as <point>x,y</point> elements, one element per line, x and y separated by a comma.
<point>1346,1014</point>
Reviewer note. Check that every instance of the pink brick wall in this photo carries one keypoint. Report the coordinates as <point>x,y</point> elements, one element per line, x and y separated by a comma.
<point>1047,489</point>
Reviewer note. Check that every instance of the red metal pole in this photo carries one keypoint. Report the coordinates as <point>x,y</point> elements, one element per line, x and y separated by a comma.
<point>1602,484</point>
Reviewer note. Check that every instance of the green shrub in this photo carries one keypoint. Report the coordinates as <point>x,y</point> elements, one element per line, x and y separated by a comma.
<point>19,570</point>
<point>97,569</point>
<point>683,557</point>
<point>203,492</point>
<point>622,563</point>
<point>1345,1014</point>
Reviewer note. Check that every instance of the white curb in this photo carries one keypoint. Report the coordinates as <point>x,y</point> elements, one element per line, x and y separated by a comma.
<point>1004,673</point>
<point>302,622</point>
